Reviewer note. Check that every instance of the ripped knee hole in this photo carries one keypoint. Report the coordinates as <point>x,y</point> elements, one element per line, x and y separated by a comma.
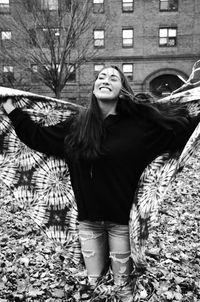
<point>88,235</point>
<point>120,257</point>
<point>88,253</point>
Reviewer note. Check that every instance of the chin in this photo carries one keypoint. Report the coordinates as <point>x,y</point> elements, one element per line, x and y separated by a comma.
<point>103,97</point>
<point>107,99</point>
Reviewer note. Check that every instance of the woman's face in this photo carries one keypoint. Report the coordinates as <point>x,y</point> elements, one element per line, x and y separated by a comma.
<point>108,85</point>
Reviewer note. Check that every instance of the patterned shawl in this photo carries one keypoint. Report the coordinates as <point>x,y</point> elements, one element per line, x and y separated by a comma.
<point>41,183</point>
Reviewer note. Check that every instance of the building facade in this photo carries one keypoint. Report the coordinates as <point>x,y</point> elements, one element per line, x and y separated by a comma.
<point>155,42</point>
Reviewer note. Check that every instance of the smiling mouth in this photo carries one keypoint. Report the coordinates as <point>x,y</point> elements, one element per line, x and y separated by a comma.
<point>105,88</point>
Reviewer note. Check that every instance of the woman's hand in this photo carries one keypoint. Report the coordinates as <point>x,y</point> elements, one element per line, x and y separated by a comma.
<point>8,105</point>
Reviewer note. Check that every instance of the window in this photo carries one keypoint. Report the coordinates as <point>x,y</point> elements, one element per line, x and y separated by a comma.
<point>8,74</point>
<point>98,6</point>
<point>47,68</point>
<point>99,38</point>
<point>127,6</point>
<point>168,37</point>
<point>128,71</point>
<point>4,6</point>
<point>127,37</point>
<point>32,37</point>
<point>45,37</point>
<point>168,5</point>
<point>6,35</point>
<point>34,74</point>
<point>65,5</point>
<point>49,35</point>
<point>72,75</point>
<point>49,4</point>
<point>8,69</point>
<point>98,68</point>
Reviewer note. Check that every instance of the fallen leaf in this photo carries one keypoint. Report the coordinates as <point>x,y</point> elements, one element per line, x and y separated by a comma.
<point>35,292</point>
<point>58,293</point>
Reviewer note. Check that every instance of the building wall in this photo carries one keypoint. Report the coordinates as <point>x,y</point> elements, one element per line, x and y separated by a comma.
<point>148,58</point>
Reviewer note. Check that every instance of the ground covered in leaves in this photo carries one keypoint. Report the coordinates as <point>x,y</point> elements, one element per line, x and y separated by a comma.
<point>32,268</point>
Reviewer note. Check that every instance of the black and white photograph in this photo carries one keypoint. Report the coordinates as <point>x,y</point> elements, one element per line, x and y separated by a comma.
<point>99,150</point>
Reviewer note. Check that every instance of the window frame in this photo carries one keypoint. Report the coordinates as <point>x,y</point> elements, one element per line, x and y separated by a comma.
<point>44,31</point>
<point>132,39</point>
<point>34,74</point>
<point>5,31</point>
<point>72,77</point>
<point>45,7</point>
<point>167,37</point>
<point>98,70</point>
<point>125,73</point>
<point>4,7</point>
<point>98,8</point>
<point>99,30</point>
<point>168,4</point>
<point>32,37</point>
<point>127,10</point>
<point>36,79</point>
<point>6,73</point>
<point>10,71</point>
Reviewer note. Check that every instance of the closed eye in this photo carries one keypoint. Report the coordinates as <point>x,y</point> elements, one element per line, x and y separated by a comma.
<point>113,77</point>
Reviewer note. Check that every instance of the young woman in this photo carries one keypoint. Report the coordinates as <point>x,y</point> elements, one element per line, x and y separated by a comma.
<point>107,146</point>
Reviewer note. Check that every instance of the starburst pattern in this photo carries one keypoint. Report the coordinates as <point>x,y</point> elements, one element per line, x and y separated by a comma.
<point>25,196</point>
<point>190,147</point>
<point>52,182</point>
<point>60,225</point>
<point>49,114</point>
<point>50,196</point>
<point>23,102</point>
<point>194,108</point>
<point>4,125</point>
<point>39,213</point>
<point>22,155</point>
<point>49,117</point>
<point>151,190</point>
<point>8,170</point>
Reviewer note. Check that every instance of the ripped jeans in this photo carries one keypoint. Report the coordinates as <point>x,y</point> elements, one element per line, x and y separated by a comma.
<point>102,241</point>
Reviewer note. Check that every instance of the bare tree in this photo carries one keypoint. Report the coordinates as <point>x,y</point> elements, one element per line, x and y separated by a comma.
<point>51,37</point>
<point>12,81</point>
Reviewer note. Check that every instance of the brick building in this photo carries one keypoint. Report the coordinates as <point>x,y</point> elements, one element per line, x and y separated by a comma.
<point>155,42</point>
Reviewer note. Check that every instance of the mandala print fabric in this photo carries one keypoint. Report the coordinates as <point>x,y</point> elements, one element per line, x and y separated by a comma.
<point>41,183</point>
<point>156,178</point>
<point>35,181</point>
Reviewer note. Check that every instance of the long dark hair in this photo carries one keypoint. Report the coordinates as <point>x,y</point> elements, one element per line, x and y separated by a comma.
<point>86,131</point>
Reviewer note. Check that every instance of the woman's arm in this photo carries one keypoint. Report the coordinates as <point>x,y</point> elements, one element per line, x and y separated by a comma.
<point>182,134</point>
<point>161,141</point>
<point>48,140</point>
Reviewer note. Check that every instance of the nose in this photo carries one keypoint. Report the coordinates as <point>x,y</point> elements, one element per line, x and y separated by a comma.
<point>106,81</point>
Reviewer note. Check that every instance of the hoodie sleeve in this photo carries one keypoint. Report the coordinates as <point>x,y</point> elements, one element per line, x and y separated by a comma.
<point>48,140</point>
<point>181,135</point>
